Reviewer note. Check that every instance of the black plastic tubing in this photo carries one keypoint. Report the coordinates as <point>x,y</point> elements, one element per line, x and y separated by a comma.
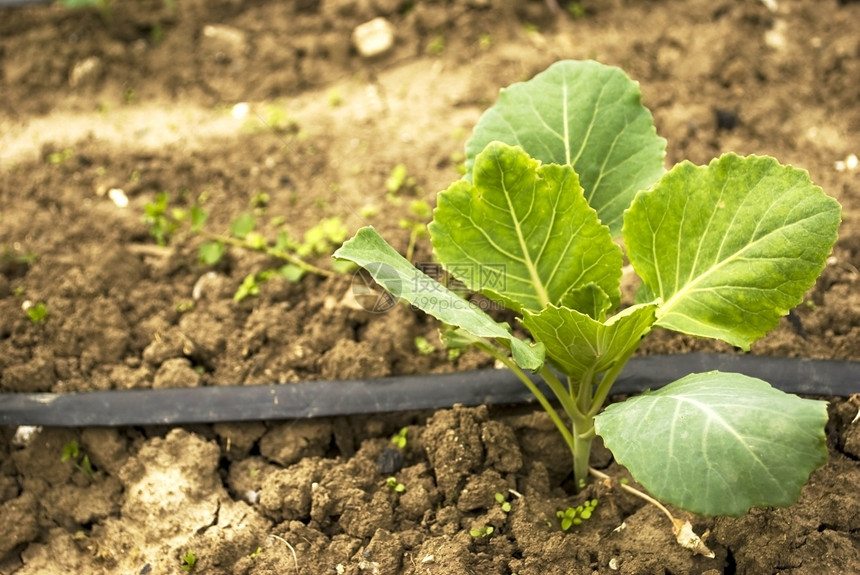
<point>18,3</point>
<point>368,396</point>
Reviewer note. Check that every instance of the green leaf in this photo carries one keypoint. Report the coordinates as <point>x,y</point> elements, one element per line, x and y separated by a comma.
<point>589,116</point>
<point>198,217</point>
<point>343,266</point>
<point>529,223</point>
<point>249,287</point>
<point>292,272</point>
<point>393,272</point>
<point>589,299</point>
<point>242,225</point>
<point>578,344</point>
<point>718,443</point>
<point>730,247</point>
<point>211,252</point>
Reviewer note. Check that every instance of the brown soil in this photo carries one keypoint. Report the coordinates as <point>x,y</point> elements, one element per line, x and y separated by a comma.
<point>141,101</point>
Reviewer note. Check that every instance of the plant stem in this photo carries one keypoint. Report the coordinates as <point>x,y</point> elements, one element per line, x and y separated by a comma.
<point>544,402</point>
<point>413,239</point>
<point>609,378</point>
<point>565,397</point>
<point>280,254</point>
<point>583,435</point>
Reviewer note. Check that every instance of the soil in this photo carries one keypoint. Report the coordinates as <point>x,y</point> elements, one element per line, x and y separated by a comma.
<point>142,99</point>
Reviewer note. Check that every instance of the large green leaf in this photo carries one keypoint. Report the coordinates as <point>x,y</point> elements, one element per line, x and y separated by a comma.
<point>579,344</point>
<point>730,247</point>
<point>718,443</point>
<point>529,222</point>
<point>587,115</point>
<point>393,272</point>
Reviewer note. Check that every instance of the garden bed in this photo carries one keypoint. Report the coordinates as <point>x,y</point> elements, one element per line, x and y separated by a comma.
<point>144,101</point>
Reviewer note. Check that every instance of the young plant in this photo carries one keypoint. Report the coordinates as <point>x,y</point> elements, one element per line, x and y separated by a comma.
<point>576,515</point>
<point>423,346</point>
<point>416,223</point>
<point>394,485</point>
<point>165,221</point>
<point>556,170</point>
<point>481,532</point>
<point>503,503</point>
<point>399,439</point>
<point>72,452</point>
<point>37,313</point>
<point>189,560</point>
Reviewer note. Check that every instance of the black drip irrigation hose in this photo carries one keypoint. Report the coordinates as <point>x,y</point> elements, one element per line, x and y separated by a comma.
<point>20,3</point>
<point>369,396</point>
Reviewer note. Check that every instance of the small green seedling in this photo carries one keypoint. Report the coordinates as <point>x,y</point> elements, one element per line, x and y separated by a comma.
<point>38,312</point>
<point>399,438</point>
<point>423,346</point>
<point>503,503</point>
<point>436,46</point>
<point>165,221</point>
<point>576,515</point>
<point>272,116</point>
<point>62,157</point>
<point>557,170</point>
<point>576,10</point>
<point>156,215</point>
<point>249,287</point>
<point>398,179</point>
<point>189,560</point>
<point>416,223</point>
<point>394,485</point>
<point>256,553</point>
<point>482,532</point>
<point>72,452</point>
<point>335,98</point>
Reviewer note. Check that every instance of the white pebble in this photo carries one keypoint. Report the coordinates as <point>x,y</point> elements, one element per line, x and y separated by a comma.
<point>374,37</point>
<point>24,434</point>
<point>848,164</point>
<point>118,197</point>
<point>240,110</point>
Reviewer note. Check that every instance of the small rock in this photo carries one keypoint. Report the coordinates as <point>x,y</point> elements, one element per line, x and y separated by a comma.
<point>390,461</point>
<point>118,197</point>
<point>374,37</point>
<point>850,164</point>
<point>776,37</point>
<point>85,71</point>
<point>726,119</point>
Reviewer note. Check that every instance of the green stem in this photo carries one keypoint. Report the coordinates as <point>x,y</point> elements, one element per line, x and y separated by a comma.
<point>565,398</point>
<point>584,394</point>
<point>280,254</point>
<point>606,383</point>
<point>544,402</point>
<point>583,435</point>
<point>583,427</point>
<point>413,239</point>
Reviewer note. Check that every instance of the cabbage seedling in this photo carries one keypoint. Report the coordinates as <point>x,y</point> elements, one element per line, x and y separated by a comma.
<point>576,515</point>
<point>557,169</point>
<point>189,560</point>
